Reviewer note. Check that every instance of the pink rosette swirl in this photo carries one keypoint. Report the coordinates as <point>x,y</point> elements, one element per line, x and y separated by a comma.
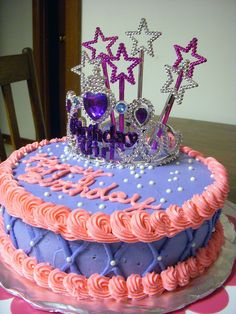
<point>142,227</point>
<point>192,267</point>
<point>182,274</point>
<point>169,278</point>
<point>40,214</point>
<point>177,217</point>
<point>98,286</point>
<point>99,228</point>
<point>118,288</point>
<point>121,226</point>
<point>216,192</point>
<point>56,218</point>
<point>152,284</point>
<point>28,267</point>
<point>12,197</point>
<point>28,207</point>
<point>161,222</point>
<point>76,285</point>
<point>135,287</point>
<point>76,224</point>
<point>203,258</point>
<point>55,281</point>
<point>190,210</point>
<point>17,260</point>
<point>7,248</point>
<point>204,209</point>
<point>41,274</point>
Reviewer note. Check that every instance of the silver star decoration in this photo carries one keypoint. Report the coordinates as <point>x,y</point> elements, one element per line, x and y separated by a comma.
<point>150,37</point>
<point>85,62</point>
<point>186,83</point>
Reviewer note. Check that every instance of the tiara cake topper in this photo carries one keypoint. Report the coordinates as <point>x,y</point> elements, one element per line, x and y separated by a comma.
<point>118,131</point>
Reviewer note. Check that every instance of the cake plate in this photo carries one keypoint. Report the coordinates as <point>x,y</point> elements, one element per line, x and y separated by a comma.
<point>44,299</point>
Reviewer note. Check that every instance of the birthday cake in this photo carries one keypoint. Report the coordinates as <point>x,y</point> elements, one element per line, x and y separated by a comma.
<point>116,209</point>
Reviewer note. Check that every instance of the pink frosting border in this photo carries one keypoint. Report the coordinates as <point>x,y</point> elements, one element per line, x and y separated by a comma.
<point>101,287</point>
<point>119,226</point>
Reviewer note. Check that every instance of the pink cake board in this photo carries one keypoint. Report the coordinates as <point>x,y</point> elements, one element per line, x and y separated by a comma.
<point>221,301</point>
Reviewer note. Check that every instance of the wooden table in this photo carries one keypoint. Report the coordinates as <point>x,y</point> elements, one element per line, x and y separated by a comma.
<point>212,139</point>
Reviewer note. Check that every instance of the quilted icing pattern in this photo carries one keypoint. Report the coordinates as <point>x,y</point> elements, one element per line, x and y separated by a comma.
<point>120,258</point>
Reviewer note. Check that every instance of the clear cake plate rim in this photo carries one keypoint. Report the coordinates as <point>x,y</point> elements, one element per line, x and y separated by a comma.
<point>44,299</point>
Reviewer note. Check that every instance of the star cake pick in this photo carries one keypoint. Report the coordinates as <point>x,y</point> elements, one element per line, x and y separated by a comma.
<point>143,40</point>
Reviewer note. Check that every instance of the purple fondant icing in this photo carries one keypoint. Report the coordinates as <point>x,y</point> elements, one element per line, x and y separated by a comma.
<point>87,258</point>
<point>173,183</point>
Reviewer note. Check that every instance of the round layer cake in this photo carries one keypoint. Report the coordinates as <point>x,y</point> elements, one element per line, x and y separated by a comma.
<point>103,230</point>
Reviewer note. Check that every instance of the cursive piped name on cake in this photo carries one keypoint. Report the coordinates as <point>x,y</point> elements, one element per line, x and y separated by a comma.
<point>48,172</point>
<point>89,137</point>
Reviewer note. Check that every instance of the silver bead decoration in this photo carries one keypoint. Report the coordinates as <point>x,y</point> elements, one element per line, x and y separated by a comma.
<point>113,263</point>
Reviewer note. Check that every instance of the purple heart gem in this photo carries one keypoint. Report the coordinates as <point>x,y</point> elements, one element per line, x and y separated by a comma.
<point>95,105</point>
<point>141,115</point>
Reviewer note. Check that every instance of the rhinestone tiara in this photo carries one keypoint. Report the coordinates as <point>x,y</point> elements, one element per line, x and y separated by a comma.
<point>114,130</point>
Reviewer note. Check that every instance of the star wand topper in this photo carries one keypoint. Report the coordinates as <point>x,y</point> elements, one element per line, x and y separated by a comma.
<point>183,69</point>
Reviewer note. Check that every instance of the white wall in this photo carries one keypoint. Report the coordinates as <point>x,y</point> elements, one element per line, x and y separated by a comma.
<point>213,22</point>
<point>16,34</point>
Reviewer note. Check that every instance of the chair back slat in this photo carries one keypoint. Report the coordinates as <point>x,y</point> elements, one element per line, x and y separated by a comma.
<point>13,69</point>
<point>11,116</point>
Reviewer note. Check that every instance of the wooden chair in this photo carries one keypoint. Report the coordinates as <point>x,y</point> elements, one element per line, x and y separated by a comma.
<point>15,68</point>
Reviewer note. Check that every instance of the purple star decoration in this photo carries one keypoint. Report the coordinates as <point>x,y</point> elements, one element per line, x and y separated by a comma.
<point>122,76</point>
<point>193,47</point>
<point>99,34</point>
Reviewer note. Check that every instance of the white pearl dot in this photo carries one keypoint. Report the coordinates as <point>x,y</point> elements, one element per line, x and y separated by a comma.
<point>108,166</point>
<point>60,196</point>
<point>142,171</point>
<point>68,259</point>
<point>150,167</point>
<point>213,229</point>
<point>190,161</point>
<point>193,244</point>
<point>169,180</point>
<point>171,172</point>
<point>176,171</point>
<point>101,183</point>
<point>102,206</point>
<point>46,194</point>
<point>31,243</point>
<point>126,180</point>
<point>137,175</point>
<point>168,191</point>
<point>70,176</point>
<point>79,204</point>
<point>212,175</point>
<point>120,167</point>
<point>8,227</point>
<point>139,186</point>
<point>180,189</point>
<point>192,179</point>
<point>177,163</point>
<point>175,178</point>
<point>132,172</point>
<point>131,167</point>
<point>151,182</point>
<point>141,167</point>
<point>48,149</point>
<point>113,263</point>
<point>162,200</point>
<point>159,258</point>
<point>57,145</point>
<point>190,168</point>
